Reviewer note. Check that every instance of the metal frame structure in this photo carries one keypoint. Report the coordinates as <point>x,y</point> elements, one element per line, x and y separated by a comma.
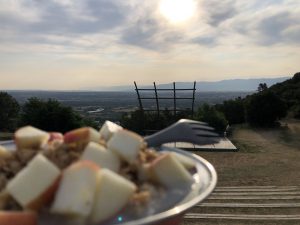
<point>157,98</point>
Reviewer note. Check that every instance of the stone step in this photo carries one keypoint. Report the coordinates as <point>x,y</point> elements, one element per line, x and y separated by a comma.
<point>250,205</point>
<point>256,193</point>
<point>282,189</point>
<point>240,216</point>
<point>246,210</point>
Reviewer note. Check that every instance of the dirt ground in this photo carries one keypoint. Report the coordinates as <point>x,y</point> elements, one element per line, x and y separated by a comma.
<point>265,156</point>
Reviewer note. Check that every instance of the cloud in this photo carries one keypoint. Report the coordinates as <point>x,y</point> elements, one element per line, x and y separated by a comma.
<point>208,41</point>
<point>281,27</point>
<point>274,22</point>
<point>85,16</point>
<point>87,24</point>
<point>219,11</point>
<point>149,33</point>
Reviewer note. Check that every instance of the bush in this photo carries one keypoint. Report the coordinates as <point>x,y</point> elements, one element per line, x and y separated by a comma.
<point>296,111</point>
<point>213,117</point>
<point>9,112</point>
<point>51,116</point>
<point>264,109</point>
<point>145,122</point>
<point>234,110</point>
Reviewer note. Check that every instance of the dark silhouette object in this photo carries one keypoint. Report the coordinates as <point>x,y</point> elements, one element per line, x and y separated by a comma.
<point>262,87</point>
<point>234,110</point>
<point>138,120</point>
<point>51,116</point>
<point>151,120</point>
<point>264,109</point>
<point>157,98</point>
<point>9,112</point>
<point>289,90</point>
<point>213,117</point>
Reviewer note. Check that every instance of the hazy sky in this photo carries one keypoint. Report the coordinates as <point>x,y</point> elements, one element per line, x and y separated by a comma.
<point>79,44</point>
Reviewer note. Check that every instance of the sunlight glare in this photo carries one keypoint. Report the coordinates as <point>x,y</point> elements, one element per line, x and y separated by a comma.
<point>177,11</point>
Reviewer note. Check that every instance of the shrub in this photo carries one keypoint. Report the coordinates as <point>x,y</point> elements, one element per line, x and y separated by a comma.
<point>264,109</point>
<point>213,117</point>
<point>51,116</point>
<point>145,122</point>
<point>234,110</point>
<point>9,112</point>
<point>296,111</point>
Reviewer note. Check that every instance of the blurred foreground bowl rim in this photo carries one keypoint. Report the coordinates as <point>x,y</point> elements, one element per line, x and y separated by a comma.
<point>181,208</point>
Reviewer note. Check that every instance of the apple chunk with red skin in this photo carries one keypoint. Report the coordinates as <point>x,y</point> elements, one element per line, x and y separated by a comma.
<point>112,194</point>
<point>101,156</point>
<point>126,144</point>
<point>30,137</point>
<point>108,129</point>
<point>35,185</point>
<point>169,172</point>
<point>56,136</point>
<point>18,218</point>
<point>82,135</point>
<point>76,191</point>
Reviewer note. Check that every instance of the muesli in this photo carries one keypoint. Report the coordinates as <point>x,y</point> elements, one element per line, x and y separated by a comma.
<point>87,176</point>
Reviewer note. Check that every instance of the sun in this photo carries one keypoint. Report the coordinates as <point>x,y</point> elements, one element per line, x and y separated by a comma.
<point>177,11</point>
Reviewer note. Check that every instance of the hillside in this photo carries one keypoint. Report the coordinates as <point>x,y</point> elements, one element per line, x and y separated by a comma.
<point>289,90</point>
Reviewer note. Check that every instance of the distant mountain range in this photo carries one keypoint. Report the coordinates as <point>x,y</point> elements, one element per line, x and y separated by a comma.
<point>223,85</point>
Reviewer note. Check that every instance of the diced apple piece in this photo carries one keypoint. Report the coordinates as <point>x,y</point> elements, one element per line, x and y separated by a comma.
<point>30,137</point>
<point>56,136</point>
<point>76,192</point>
<point>82,135</point>
<point>187,162</point>
<point>170,172</point>
<point>112,195</point>
<point>144,171</point>
<point>35,185</point>
<point>18,218</point>
<point>108,129</point>
<point>126,144</point>
<point>4,153</point>
<point>101,156</point>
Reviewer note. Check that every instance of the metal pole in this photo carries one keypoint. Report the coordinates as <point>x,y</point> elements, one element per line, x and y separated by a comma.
<point>156,98</point>
<point>139,97</point>
<point>193,102</point>
<point>174,95</point>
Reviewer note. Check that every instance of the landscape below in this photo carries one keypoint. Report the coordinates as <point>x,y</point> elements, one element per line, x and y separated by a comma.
<point>102,106</point>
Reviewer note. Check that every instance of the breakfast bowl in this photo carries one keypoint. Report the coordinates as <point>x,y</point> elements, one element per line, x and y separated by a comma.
<point>165,206</point>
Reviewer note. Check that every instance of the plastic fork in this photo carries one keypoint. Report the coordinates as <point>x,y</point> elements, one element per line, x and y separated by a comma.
<point>184,130</point>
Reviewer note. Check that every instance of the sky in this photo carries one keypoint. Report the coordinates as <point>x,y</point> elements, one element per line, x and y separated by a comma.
<point>85,44</point>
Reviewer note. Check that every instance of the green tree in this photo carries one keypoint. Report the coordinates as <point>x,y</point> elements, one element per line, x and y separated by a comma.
<point>289,91</point>
<point>264,109</point>
<point>262,87</point>
<point>296,111</point>
<point>234,110</point>
<point>149,122</point>
<point>52,116</point>
<point>133,121</point>
<point>9,112</point>
<point>213,117</point>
